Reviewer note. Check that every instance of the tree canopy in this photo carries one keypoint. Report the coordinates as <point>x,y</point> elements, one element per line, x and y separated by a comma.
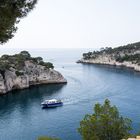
<point>11,11</point>
<point>17,61</point>
<point>104,124</point>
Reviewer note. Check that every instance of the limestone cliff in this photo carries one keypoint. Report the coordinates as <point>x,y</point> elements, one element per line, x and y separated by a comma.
<point>26,71</point>
<point>128,56</point>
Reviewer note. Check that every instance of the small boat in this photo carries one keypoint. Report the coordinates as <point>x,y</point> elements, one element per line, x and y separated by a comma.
<point>51,103</point>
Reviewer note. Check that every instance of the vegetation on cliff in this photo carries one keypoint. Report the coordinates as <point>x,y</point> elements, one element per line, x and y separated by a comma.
<point>130,52</point>
<point>17,62</point>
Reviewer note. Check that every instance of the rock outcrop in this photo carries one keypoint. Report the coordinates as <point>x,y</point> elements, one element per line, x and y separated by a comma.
<point>106,60</point>
<point>124,56</point>
<point>30,74</point>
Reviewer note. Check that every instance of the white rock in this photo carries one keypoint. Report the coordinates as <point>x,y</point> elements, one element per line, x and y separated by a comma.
<point>32,75</point>
<point>106,59</point>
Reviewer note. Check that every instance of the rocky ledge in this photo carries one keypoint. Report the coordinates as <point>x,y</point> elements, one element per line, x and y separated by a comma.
<point>20,71</point>
<point>123,56</point>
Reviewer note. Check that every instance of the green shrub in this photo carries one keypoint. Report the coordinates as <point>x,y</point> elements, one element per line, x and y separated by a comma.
<point>18,73</point>
<point>47,138</point>
<point>46,64</point>
<point>104,124</point>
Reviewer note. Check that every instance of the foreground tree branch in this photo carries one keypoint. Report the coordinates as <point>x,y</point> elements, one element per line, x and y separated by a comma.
<point>11,11</point>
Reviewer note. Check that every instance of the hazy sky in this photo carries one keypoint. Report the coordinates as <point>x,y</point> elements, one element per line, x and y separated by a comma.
<point>79,24</point>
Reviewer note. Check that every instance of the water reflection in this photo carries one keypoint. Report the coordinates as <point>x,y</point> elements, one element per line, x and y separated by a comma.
<point>111,68</point>
<point>26,98</point>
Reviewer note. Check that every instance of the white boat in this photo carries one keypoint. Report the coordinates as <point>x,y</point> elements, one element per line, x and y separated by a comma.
<point>51,103</point>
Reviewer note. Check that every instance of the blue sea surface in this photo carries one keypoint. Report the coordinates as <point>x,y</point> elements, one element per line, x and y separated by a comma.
<point>21,115</point>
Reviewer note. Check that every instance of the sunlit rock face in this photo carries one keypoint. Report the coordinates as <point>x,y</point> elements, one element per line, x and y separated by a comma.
<point>125,56</point>
<point>104,61</point>
<point>31,74</point>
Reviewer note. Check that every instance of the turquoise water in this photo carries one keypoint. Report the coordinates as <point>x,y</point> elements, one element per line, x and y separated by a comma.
<point>21,116</point>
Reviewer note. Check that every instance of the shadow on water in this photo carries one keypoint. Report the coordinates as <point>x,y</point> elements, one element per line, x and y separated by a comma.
<point>111,68</point>
<point>25,98</point>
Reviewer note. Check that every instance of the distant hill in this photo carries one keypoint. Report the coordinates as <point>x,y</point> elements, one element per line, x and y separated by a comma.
<point>127,55</point>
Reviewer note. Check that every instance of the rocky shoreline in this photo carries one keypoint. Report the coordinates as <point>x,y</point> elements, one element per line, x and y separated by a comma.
<point>124,56</point>
<point>34,71</point>
<point>129,65</point>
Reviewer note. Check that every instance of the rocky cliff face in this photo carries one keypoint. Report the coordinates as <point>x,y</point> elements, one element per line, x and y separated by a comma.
<point>126,56</point>
<point>107,60</point>
<point>31,74</point>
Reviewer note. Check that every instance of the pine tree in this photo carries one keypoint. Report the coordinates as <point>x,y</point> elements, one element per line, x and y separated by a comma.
<point>104,124</point>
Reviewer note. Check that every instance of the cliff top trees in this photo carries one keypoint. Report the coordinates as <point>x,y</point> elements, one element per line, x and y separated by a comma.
<point>104,124</point>
<point>25,54</point>
<point>18,61</point>
<point>130,52</point>
<point>11,11</point>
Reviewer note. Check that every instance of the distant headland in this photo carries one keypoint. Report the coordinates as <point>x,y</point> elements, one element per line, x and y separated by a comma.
<point>21,71</point>
<point>123,56</point>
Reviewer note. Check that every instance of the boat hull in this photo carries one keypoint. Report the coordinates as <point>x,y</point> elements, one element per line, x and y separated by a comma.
<point>51,105</point>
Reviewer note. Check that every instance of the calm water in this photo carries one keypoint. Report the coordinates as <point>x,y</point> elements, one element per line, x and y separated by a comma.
<point>21,117</point>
